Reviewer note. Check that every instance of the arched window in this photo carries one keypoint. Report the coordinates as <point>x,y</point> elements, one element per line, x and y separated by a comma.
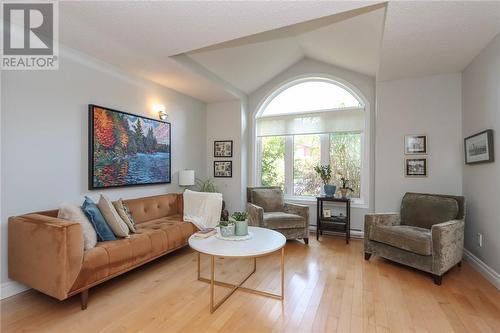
<point>309,122</point>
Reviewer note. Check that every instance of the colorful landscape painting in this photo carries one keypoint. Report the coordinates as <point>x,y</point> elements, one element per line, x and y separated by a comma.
<point>126,149</point>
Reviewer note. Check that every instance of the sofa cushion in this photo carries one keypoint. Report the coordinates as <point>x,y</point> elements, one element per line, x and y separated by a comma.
<point>279,220</point>
<point>113,219</point>
<point>424,210</point>
<point>270,199</point>
<point>95,217</point>
<point>155,207</point>
<point>409,238</point>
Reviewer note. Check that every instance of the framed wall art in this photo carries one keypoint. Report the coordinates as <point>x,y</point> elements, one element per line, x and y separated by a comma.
<point>223,169</point>
<point>416,167</point>
<point>127,149</point>
<point>415,144</point>
<point>223,148</point>
<point>479,148</point>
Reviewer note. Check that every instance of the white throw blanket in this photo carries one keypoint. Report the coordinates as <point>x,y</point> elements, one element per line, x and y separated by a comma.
<point>203,209</point>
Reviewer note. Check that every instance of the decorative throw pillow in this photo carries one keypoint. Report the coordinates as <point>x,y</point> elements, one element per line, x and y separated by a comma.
<point>113,219</point>
<point>95,217</point>
<point>74,213</point>
<point>119,206</point>
<point>270,199</point>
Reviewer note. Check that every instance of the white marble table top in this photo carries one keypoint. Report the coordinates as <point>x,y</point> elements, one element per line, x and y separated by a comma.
<point>264,241</point>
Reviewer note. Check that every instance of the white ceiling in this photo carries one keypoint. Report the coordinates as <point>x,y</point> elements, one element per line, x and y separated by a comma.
<point>427,38</point>
<point>419,38</point>
<point>351,40</point>
<point>141,36</point>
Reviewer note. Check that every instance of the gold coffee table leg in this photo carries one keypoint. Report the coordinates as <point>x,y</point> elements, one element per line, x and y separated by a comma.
<point>214,306</point>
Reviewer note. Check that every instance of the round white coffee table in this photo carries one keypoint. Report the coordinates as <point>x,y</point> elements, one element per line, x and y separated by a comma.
<point>263,242</point>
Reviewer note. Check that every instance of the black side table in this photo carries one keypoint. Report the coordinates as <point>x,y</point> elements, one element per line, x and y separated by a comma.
<point>333,223</point>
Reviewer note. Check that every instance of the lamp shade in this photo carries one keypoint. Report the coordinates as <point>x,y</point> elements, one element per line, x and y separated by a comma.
<point>186,177</point>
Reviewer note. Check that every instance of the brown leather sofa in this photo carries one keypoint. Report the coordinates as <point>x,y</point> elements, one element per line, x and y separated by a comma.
<point>46,253</point>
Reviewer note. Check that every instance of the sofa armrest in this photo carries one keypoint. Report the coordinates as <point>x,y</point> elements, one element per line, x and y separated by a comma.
<point>300,210</point>
<point>380,219</point>
<point>255,215</point>
<point>447,245</point>
<point>45,253</point>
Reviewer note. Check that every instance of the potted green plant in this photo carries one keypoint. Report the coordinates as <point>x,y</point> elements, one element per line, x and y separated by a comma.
<point>226,228</point>
<point>240,220</point>
<point>345,189</point>
<point>325,173</point>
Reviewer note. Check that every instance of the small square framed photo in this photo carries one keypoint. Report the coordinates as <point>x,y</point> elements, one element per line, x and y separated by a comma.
<point>223,169</point>
<point>416,167</point>
<point>479,148</point>
<point>223,148</point>
<point>327,213</point>
<point>415,144</point>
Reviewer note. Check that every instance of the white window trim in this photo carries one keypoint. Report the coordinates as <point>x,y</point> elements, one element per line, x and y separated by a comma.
<point>256,143</point>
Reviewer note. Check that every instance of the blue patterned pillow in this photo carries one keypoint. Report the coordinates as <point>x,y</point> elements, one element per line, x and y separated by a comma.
<point>95,217</point>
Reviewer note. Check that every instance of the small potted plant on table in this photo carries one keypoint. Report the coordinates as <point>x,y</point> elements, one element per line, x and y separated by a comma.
<point>240,220</point>
<point>325,172</point>
<point>226,228</point>
<point>345,189</point>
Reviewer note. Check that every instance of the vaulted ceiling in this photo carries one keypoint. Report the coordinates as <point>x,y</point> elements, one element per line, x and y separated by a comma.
<point>247,43</point>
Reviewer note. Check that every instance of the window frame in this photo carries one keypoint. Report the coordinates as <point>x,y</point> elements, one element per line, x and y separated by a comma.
<point>256,143</point>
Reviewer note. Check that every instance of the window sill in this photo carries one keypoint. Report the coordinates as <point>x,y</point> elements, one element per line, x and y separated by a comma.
<point>355,203</point>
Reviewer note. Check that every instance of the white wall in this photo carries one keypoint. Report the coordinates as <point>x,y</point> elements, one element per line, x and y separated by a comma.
<point>481,182</point>
<point>428,105</point>
<point>44,134</point>
<point>224,123</point>
<point>366,86</point>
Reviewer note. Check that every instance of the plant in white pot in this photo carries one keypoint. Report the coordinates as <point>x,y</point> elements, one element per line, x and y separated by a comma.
<point>226,228</point>
<point>240,220</point>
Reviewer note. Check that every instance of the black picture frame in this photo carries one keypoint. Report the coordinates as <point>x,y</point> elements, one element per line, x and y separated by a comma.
<point>217,143</point>
<point>412,150</point>
<point>489,147</point>
<point>91,169</point>
<point>218,174</point>
<point>410,173</point>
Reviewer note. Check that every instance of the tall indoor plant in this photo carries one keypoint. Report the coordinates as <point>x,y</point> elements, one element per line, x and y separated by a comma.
<point>325,173</point>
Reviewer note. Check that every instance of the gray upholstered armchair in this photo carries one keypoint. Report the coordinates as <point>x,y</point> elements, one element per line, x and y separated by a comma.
<point>267,209</point>
<point>427,234</point>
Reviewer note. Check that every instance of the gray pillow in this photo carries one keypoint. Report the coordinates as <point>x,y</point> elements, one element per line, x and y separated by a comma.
<point>425,210</point>
<point>270,199</point>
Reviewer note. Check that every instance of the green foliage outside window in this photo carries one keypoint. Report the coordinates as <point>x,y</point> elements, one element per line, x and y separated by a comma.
<point>273,161</point>
<point>345,159</point>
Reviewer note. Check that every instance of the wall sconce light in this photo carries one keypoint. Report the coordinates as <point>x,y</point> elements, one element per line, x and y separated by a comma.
<point>160,108</point>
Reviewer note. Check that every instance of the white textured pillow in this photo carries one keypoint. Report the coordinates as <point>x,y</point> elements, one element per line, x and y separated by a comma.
<point>113,219</point>
<point>68,211</point>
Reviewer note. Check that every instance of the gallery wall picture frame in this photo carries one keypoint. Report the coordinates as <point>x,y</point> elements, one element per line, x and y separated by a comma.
<point>416,167</point>
<point>478,148</point>
<point>223,148</point>
<point>116,159</point>
<point>415,144</point>
<point>223,169</point>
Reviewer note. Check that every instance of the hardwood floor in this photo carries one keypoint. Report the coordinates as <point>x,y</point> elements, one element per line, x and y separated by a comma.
<point>329,288</point>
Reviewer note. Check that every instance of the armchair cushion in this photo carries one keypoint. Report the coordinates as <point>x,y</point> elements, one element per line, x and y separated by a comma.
<point>422,210</point>
<point>270,199</point>
<point>279,220</point>
<point>409,238</point>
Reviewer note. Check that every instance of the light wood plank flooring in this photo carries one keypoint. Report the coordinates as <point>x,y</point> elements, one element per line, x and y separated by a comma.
<point>329,288</point>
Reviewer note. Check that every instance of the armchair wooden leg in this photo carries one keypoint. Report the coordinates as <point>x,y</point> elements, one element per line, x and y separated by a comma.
<point>306,241</point>
<point>459,263</point>
<point>84,298</point>
<point>367,256</point>
<point>437,279</point>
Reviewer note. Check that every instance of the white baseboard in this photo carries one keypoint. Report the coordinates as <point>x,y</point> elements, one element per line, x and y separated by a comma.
<point>11,288</point>
<point>486,271</point>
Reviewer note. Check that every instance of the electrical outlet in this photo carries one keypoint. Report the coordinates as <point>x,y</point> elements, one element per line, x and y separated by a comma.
<point>480,239</point>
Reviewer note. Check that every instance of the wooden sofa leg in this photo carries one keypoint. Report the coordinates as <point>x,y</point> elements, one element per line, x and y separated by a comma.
<point>437,279</point>
<point>84,298</point>
<point>306,241</point>
<point>367,256</point>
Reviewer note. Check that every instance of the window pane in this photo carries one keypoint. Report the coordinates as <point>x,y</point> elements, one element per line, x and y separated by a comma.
<point>345,159</point>
<point>273,161</point>
<point>306,155</point>
<point>309,96</point>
